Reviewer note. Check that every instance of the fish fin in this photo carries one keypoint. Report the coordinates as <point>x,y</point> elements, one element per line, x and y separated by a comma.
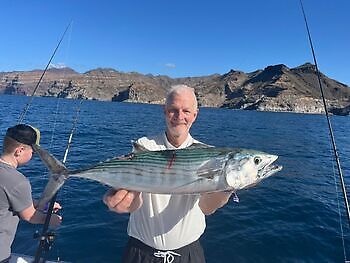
<point>128,156</point>
<point>53,165</point>
<point>211,168</point>
<point>138,148</point>
<point>59,173</point>
<point>199,145</point>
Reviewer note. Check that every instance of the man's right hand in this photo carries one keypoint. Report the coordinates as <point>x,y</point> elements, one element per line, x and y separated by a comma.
<point>55,220</point>
<point>122,201</point>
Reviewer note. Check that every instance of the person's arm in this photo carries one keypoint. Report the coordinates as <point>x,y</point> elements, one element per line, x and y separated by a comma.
<point>210,202</point>
<point>35,216</point>
<point>123,201</point>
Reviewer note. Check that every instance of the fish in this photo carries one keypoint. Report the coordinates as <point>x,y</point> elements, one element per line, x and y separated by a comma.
<point>193,170</point>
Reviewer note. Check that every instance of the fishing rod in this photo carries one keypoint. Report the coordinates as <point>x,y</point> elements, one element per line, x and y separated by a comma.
<point>47,237</point>
<point>26,108</point>
<point>327,117</point>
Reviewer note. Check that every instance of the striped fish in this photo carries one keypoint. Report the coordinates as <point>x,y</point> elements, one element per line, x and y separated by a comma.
<point>196,169</point>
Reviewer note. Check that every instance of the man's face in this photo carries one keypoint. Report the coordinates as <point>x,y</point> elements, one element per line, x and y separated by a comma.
<point>180,113</point>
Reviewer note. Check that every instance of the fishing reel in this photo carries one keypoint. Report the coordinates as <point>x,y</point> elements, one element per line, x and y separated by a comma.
<point>50,236</point>
<point>46,239</point>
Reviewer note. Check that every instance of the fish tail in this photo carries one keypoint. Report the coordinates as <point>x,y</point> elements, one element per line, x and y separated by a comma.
<point>59,173</point>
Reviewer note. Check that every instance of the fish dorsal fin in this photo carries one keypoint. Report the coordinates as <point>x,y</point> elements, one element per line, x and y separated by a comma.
<point>198,145</point>
<point>138,148</point>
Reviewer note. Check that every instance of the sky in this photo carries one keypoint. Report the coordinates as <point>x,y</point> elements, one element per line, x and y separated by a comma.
<point>177,38</point>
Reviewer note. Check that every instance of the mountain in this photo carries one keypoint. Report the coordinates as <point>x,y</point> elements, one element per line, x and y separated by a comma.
<point>275,88</point>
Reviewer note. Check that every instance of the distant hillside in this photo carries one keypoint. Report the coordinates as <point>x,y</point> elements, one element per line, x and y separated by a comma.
<point>275,88</point>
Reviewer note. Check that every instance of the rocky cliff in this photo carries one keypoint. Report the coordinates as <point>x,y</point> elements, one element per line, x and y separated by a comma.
<point>275,88</point>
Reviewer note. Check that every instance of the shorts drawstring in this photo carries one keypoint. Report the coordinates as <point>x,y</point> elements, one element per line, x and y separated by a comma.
<point>167,255</point>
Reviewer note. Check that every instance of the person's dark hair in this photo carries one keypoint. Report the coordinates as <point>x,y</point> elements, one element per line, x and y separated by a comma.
<point>9,145</point>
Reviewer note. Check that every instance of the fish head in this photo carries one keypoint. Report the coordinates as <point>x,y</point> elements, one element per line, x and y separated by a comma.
<point>246,168</point>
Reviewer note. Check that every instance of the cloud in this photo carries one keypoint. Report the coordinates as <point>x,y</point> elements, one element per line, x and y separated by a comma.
<point>57,65</point>
<point>170,65</point>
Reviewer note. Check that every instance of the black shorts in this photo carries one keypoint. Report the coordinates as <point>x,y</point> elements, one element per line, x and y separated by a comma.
<point>138,252</point>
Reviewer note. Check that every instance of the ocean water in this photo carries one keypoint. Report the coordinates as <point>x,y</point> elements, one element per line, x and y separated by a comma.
<point>295,216</point>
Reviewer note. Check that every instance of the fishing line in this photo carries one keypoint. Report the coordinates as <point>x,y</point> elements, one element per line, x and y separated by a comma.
<point>335,152</point>
<point>58,97</point>
<point>26,108</point>
<point>338,205</point>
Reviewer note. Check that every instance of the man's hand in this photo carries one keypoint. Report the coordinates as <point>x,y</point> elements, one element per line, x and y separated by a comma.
<point>55,220</point>
<point>56,207</point>
<point>35,216</point>
<point>122,201</point>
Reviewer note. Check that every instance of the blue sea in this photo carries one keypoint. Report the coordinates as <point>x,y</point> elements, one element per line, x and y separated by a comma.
<point>297,215</point>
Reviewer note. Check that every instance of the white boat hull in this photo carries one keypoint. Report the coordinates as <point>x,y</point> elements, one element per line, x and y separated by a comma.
<point>19,258</point>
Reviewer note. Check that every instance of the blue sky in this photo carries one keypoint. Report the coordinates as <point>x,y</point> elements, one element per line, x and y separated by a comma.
<point>176,38</point>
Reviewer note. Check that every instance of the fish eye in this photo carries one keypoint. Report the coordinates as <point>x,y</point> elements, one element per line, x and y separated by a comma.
<point>257,160</point>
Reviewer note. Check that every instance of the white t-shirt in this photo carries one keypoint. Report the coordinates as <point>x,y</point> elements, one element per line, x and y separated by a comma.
<point>167,222</point>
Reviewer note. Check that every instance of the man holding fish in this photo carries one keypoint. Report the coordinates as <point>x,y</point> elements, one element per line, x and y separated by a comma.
<point>167,226</point>
<point>173,181</point>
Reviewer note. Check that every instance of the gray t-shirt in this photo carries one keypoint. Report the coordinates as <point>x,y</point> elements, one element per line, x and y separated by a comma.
<point>15,196</point>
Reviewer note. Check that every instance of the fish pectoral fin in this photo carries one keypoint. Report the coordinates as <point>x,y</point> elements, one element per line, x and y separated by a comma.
<point>211,168</point>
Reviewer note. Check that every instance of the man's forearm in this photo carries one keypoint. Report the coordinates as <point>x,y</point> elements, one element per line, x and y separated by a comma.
<point>210,202</point>
<point>37,218</point>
